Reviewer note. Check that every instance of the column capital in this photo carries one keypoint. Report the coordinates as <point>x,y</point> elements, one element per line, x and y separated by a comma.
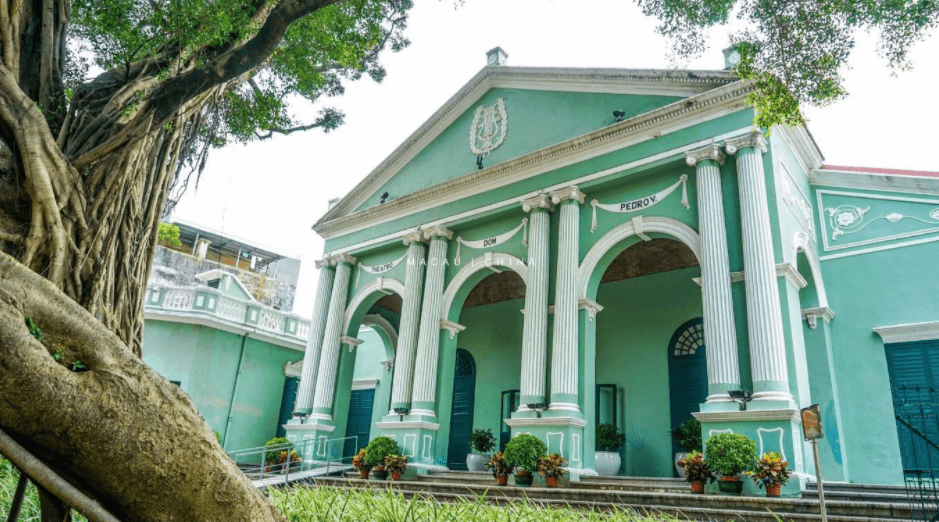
<point>414,236</point>
<point>755,140</point>
<point>341,258</point>
<point>326,262</point>
<point>438,231</point>
<point>567,193</point>
<point>539,201</point>
<point>710,152</point>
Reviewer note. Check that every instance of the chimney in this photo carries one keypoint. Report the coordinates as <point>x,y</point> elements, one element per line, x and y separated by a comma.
<point>496,57</point>
<point>731,58</point>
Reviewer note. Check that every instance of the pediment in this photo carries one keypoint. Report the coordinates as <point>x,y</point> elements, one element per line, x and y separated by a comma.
<point>542,107</point>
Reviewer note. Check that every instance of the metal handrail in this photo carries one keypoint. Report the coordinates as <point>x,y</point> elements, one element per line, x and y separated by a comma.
<point>307,459</point>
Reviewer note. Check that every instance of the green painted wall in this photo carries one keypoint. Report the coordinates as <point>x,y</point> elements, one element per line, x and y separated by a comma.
<point>633,332</point>
<point>205,361</point>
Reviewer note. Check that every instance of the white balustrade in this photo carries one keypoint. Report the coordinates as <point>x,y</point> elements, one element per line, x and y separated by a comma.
<point>271,320</point>
<point>179,298</point>
<point>231,309</point>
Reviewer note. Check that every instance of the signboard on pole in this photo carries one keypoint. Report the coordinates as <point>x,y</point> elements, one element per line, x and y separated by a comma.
<point>811,423</point>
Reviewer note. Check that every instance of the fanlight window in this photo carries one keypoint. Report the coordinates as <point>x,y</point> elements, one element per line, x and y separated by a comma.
<point>690,340</point>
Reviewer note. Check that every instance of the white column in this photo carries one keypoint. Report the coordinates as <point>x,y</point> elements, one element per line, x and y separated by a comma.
<point>720,336</point>
<point>564,360</point>
<point>408,329</point>
<point>764,318</point>
<point>423,400</point>
<point>535,330</point>
<point>311,358</point>
<point>329,358</point>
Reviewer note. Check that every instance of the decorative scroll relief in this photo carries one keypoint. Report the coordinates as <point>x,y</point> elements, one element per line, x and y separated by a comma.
<point>863,219</point>
<point>635,205</point>
<point>802,209</point>
<point>490,124</point>
<point>490,242</point>
<point>378,269</point>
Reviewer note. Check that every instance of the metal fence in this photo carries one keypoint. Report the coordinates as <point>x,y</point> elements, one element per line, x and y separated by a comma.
<point>917,414</point>
<point>301,459</point>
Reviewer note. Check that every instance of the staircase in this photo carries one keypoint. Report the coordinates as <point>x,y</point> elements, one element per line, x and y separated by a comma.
<point>653,495</point>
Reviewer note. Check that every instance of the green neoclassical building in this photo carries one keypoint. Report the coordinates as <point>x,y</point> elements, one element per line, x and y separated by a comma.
<point>559,248</point>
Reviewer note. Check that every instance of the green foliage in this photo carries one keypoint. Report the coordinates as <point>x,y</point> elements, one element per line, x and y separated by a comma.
<point>688,435</point>
<point>552,465</point>
<point>482,440</point>
<point>730,453</point>
<point>302,504</point>
<point>497,465</point>
<point>78,366</point>
<point>523,452</point>
<point>34,330</point>
<point>218,437</point>
<point>609,438</point>
<point>770,470</point>
<point>9,476</point>
<point>696,468</point>
<point>396,463</point>
<point>378,449</point>
<point>279,444</point>
<point>795,52</point>
<point>317,56</point>
<point>169,233</point>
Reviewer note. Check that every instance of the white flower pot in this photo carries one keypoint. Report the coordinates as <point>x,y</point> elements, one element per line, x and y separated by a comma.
<point>476,462</point>
<point>678,457</point>
<point>607,463</point>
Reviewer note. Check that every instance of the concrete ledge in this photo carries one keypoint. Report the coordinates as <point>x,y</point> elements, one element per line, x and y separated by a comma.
<point>748,415</point>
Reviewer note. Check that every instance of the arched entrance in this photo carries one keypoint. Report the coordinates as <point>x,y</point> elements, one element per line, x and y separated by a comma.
<point>461,415</point>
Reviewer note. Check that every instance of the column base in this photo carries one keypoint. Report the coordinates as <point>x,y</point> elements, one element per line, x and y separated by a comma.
<point>778,430</point>
<point>563,435</point>
<point>416,436</point>
<point>310,438</point>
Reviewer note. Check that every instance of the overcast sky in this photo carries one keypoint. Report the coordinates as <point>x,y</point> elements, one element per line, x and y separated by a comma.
<point>271,192</point>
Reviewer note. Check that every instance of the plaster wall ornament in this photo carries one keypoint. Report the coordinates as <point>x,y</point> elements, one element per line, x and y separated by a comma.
<point>387,364</point>
<point>755,139</point>
<point>492,241</point>
<point>799,205</point>
<point>539,201</point>
<point>849,219</point>
<point>378,269</point>
<point>642,203</point>
<point>489,127</point>
<point>591,306</point>
<point>564,194</point>
<point>451,327</point>
<point>415,236</point>
<point>812,315</point>
<point>711,152</point>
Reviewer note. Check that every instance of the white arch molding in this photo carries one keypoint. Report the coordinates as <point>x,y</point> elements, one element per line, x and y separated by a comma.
<point>377,321</point>
<point>637,226</point>
<point>485,262</point>
<point>380,284</point>
<point>802,242</point>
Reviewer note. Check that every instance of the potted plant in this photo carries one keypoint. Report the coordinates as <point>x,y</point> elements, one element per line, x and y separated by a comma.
<point>358,462</point>
<point>688,436</point>
<point>730,454</point>
<point>696,470</point>
<point>522,454</point>
<point>609,441</point>
<point>483,441</point>
<point>375,454</point>
<point>772,472</point>
<point>551,467</point>
<point>499,468</point>
<point>396,465</point>
<point>277,457</point>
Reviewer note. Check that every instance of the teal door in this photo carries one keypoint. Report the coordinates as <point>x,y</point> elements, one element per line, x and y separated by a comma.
<point>287,402</point>
<point>914,381</point>
<point>461,416</point>
<point>687,372</point>
<point>359,422</point>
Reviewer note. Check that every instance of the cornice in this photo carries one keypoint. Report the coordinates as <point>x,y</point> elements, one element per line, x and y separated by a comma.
<point>602,141</point>
<point>524,422</point>
<point>748,415</point>
<point>618,81</point>
<point>874,181</point>
<point>904,333</point>
<point>711,152</point>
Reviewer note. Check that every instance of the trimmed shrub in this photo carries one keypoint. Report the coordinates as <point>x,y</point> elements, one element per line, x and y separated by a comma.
<point>730,453</point>
<point>523,452</point>
<point>378,449</point>
<point>609,438</point>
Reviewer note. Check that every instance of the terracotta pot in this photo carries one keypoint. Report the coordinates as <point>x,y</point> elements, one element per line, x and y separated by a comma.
<point>697,487</point>
<point>773,490</point>
<point>502,480</point>
<point>552,482</point>
<point>363,473</point>
<point>395,475</point>
<point>731,485</point>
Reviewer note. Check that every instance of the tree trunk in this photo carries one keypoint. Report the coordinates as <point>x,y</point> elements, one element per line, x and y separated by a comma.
<point>118,431</point>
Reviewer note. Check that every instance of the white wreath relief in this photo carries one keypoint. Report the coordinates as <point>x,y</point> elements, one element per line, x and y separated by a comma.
<point>490,124</point>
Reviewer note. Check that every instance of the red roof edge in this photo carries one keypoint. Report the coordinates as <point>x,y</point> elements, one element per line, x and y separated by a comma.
<point>890,172</point>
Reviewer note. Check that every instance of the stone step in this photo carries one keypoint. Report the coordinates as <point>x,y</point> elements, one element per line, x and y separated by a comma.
<point>633,483</point>
<point>673,500</point>
<point>698,507</point>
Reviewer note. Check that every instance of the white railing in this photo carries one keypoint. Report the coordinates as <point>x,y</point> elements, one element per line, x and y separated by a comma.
<point>230,309</point>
